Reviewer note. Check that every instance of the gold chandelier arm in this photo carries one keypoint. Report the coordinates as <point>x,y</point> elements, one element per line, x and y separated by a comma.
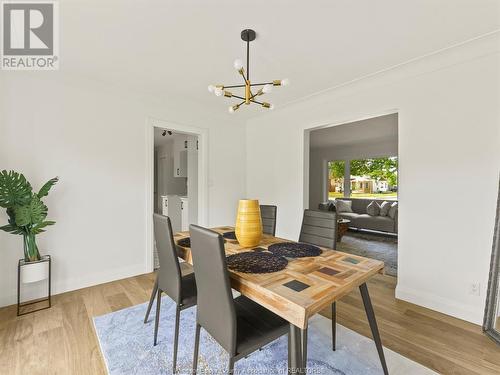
<point>242,73</point>
<point>234,86</point>
<point>261,84</point>
<point>259,93</point>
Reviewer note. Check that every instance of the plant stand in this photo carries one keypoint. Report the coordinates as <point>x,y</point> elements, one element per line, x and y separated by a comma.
<point>40,263</point>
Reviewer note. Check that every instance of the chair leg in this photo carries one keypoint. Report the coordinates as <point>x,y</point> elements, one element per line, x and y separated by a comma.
<point>176,336</point>
<point>157,317</point>
<point>334,326</point>
<point>151,300</point>
<point>231,366</point>
<point>373,325</point>
<point>196,348</point>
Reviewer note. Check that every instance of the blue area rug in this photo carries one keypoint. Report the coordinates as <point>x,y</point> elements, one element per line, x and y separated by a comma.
<point>127,346</point>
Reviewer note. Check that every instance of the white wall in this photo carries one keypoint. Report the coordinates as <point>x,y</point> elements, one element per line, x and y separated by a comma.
<point>94,138</point>
<point>449,132</point>
<point>318,175</point>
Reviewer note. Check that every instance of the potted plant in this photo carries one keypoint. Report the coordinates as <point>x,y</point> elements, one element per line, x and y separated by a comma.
<point>27,214</point>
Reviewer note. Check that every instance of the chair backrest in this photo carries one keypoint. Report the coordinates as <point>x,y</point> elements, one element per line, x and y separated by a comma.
<point>319,228</point>
<point>216,312</point>
<point>268,214</point>
<point>169,273</point>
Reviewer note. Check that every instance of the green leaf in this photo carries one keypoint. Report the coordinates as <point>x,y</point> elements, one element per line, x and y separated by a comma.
<point>44,191</point>
<point>14,189</point>
<point>12,229</point>
<point>37,228</point>
<point>33,213</point>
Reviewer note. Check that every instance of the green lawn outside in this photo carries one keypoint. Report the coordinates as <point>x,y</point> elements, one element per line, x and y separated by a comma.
<point>389,195</point>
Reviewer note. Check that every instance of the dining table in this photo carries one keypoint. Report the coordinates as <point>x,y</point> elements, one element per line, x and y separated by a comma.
<point>305,287</point>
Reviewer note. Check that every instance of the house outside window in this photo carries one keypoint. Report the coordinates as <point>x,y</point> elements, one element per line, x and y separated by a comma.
<point>368,178</point>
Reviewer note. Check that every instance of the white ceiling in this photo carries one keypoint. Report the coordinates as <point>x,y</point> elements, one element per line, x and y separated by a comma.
<point>170,48</point>
<point>378,129</point>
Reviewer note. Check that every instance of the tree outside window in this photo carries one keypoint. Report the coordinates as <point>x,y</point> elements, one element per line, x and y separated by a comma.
<point>369,178</point>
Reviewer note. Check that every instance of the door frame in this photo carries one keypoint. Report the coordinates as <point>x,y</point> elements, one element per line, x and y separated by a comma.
<point>307,146</point>
<point>202,134</point>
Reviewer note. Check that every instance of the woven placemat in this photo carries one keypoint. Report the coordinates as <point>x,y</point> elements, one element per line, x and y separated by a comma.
<point>230,235</point>
<point>294,250</point>
<point>256,262</point>
<point>184,242</point>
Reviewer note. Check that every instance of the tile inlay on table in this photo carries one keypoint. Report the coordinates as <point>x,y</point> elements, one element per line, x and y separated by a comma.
<point>296,285</point>
<point>351,260</point>
<point>328,271</point>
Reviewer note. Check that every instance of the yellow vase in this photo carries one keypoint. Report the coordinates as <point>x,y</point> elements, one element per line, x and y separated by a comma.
<point>248,223</point>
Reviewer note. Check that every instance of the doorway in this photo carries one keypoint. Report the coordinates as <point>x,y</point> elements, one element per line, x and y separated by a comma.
<point>176,178</point>
<point>353,168</point>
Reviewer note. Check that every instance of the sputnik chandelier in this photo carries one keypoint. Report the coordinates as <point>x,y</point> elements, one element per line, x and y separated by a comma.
<point>250,97</point>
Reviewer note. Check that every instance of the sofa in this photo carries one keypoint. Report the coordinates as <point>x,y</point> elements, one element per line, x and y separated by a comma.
<point>360,219</point>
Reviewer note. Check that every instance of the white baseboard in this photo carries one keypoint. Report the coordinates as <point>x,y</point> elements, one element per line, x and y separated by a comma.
<point>75,283</point>
<point>470,313</point>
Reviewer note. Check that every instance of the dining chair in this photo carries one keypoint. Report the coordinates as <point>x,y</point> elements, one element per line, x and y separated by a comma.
<point>268,214</point>
<point>320,228</point>
<point>239,325</point>
<point>182,289</point>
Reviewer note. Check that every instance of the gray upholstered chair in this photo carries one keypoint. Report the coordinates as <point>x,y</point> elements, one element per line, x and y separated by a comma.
<point>320,228</point>
<point>182,289</point>
<point>268,214</point>
<point>239,325</point>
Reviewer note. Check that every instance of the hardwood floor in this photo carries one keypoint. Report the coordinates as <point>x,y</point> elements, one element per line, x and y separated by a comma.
<point>61,340</point>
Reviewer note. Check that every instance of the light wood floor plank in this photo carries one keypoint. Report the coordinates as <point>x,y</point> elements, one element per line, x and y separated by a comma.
<point>62,340</point>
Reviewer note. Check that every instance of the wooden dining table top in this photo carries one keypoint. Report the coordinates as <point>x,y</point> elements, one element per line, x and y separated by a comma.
<point>304,287</point>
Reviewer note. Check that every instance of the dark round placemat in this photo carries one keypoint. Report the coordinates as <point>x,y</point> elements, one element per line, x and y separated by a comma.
<point>294,250</point>
<point>184,242</point>
<point>230,235</point>
<point>256,262</point>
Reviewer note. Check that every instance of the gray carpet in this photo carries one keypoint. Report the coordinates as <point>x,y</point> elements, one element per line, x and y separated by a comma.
<point>372,245</point>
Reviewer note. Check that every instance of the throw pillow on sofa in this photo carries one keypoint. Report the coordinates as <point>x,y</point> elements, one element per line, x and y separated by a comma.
<point>343,206</point>
<point>384,208</point>
<point>393,210</point>
<point>373,209</point>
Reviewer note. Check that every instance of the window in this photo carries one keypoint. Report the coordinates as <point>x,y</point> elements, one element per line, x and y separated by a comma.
<point>369,178</point>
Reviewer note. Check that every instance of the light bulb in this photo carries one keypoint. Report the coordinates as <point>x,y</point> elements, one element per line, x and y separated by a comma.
<point>211,88</point>
<point>231,109</point>
<point>267,88</point>
<point>218,91</point>
<point>285,82</point>
<point>238,64</point>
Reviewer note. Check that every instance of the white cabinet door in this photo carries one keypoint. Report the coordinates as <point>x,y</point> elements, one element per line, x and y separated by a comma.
<point>181,146</point>
<point>164,205</point>
<point>174,212</point>
<point>184,214</point>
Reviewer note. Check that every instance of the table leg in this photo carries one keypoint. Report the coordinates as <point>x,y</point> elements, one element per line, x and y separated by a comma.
<point>304,349</point>
<point>294,350</point>
<point>370,314</point>
<point>297,350</point>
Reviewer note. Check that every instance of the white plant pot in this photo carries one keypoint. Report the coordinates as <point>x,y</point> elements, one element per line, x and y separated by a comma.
<point>35,271</point>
